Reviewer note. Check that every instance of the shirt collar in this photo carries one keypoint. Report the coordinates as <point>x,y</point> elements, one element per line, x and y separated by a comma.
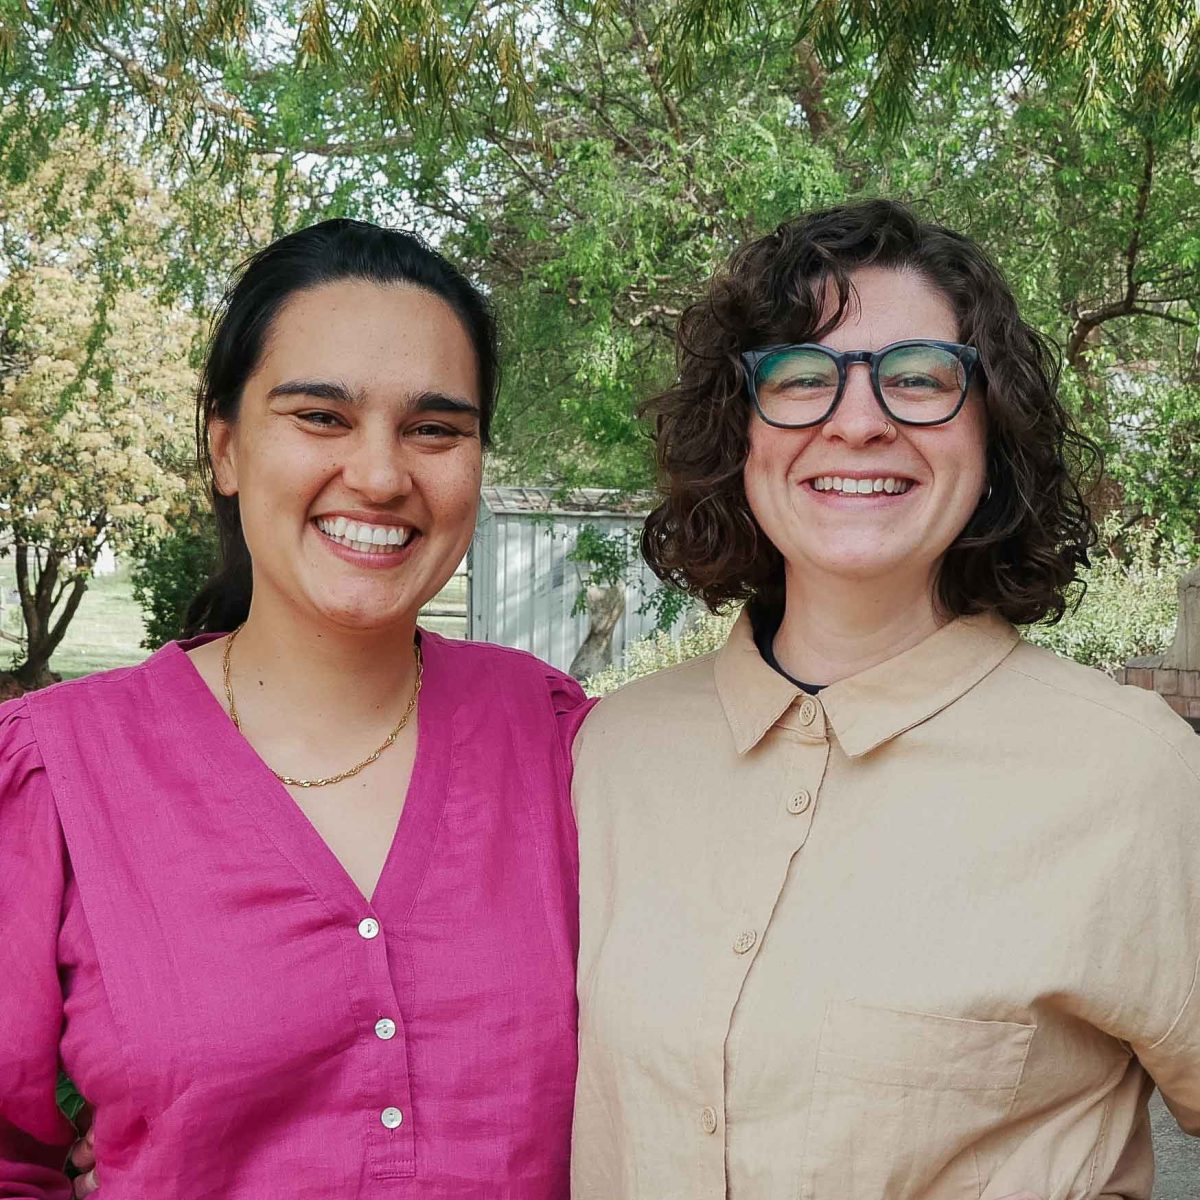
<point>873,706</point>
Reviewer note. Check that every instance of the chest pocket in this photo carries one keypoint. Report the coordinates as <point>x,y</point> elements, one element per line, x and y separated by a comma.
<point>900,1099</point>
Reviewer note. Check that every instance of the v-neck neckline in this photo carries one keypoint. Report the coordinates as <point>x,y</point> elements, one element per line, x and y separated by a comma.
<point>285,823</point>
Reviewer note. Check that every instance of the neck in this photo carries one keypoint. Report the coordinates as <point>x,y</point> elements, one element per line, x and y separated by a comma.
<point>323,677</point>
<point>833,629</point>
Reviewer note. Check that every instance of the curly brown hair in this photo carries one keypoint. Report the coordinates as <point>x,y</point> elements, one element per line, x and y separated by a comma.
<point>1024,544</point>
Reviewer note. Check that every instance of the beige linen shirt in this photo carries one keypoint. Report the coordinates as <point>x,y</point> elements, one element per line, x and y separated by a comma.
<point>925,936</point>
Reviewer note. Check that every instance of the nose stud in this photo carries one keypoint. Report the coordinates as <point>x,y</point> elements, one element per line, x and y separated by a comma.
<point>888,429</point>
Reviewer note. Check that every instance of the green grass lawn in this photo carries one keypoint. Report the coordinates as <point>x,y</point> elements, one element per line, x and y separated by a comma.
<point>107,630</point>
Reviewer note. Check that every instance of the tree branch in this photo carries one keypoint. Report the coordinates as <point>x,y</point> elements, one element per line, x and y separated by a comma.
<point>1088,321</point>
<point>810,94</point>
<point>78,587</point>
<point>151,83</point>
<point>653,69</point>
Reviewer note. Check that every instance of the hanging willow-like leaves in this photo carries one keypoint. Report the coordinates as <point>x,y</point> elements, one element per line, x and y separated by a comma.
<point>197,68</point>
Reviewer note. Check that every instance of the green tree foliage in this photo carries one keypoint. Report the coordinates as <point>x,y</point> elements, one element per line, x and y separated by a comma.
<point>167,575</point>
<point>101,310</point>
<point>592,163</point>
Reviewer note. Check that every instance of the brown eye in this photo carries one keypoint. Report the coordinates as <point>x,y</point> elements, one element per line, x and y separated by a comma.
<point>320,418</point>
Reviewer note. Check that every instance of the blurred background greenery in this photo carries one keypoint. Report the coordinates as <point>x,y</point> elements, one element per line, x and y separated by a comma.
<point>591,164</point>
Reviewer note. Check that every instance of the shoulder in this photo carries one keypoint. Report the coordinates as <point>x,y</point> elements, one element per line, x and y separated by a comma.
<point>1101,716</point>
<point>676,695</point>
<point>505,667</point>
<point>100,691</point>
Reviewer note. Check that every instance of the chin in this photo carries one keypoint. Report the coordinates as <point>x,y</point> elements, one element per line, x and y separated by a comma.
<point>867,568</point>
<point>353,614</point>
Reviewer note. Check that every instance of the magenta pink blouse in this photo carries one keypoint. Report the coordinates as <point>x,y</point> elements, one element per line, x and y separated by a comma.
<point>177,936</point>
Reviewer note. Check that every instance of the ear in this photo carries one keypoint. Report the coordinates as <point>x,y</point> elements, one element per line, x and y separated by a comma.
<point>223,452</point>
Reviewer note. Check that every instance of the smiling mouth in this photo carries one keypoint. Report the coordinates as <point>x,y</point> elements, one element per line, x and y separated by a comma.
<point>366,539</point>
<point>890,485</point>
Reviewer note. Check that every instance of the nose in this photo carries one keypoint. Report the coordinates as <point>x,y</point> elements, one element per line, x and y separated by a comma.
<point>376,466</point>
<point>858,418</point>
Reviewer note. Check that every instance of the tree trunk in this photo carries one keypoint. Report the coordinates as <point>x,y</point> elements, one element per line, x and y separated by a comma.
<point>41,593</point>
<point>605,606</point>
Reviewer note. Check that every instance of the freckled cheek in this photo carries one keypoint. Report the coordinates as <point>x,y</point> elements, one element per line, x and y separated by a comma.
<point>280,475</point>
<point>455,497</point>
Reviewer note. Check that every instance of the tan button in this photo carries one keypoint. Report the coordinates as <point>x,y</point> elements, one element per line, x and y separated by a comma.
<point>808,712</point>
<point>708,1119</point>
<point>368,928</point>
<point>745,941</point>
<point>799,803</point>
<point>391,1118</point>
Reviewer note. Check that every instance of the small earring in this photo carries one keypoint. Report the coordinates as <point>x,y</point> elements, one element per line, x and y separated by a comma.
<point>987,495</point>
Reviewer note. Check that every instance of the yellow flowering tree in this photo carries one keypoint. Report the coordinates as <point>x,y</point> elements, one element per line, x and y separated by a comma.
<point>95,381</point>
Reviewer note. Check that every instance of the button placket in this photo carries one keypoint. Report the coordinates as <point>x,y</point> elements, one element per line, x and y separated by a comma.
<point>388,1100</point>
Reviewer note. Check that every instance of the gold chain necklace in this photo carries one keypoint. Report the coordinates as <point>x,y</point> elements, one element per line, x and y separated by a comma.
<point>366,762</point>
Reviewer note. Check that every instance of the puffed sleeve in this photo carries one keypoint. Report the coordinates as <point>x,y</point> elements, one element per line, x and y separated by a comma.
<point>34,1135</point>
<point>571,705</point>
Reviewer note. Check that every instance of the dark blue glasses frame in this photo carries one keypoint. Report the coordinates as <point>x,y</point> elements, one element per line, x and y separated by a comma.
<point>753,359</point>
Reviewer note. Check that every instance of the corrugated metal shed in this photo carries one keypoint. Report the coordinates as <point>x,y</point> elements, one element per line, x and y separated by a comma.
<point>523,586</point>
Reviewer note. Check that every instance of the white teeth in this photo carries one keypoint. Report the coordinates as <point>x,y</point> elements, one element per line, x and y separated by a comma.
<point>360,536</point>
<point>861,487</point>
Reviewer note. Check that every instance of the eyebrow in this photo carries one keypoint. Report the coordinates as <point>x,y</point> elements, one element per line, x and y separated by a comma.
<point>326,390</point>
<point>317,389</point>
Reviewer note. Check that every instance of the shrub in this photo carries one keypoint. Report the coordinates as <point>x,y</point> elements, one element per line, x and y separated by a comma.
<point>1130,603</point>
<point>703,634</point>
<point>167,575</point>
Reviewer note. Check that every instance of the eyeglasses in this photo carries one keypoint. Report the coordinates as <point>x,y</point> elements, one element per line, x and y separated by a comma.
<point>917,382</point>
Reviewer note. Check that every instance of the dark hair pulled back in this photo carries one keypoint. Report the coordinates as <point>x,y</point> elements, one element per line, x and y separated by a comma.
<point>328,252</point>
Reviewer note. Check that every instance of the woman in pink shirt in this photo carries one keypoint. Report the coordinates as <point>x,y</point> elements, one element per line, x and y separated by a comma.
<point>296,907</point>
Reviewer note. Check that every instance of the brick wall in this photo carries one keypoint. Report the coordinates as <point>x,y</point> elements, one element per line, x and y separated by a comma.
<point>1180,689</point>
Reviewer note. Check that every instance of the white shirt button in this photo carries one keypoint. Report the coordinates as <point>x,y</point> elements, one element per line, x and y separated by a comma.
<point>385,1030</point>
<point>808,712</point>
<point>745,941</point>
<point>391,1118</point>
<point>708,1119</point>
<point>799,802</point>
<point>368,928</point>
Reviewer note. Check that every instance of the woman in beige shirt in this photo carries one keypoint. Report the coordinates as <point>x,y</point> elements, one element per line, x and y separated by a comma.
<point>930,931</point>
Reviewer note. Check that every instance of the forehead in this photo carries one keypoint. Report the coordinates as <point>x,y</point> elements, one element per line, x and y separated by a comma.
<point>372,338</point>
<point>889,305</point>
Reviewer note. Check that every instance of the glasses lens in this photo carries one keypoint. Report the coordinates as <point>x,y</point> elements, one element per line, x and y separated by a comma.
<point>796,387</point>
<point>921,383</point>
